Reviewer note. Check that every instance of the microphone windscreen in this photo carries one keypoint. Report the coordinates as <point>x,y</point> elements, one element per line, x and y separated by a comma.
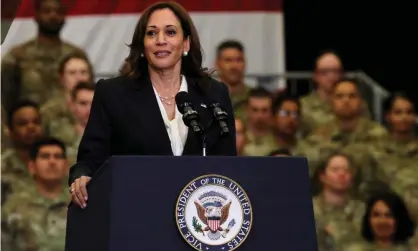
<point>182,97</point>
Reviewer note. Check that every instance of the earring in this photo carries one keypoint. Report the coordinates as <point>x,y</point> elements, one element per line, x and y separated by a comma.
<point>142,55</point>
<point>185,53</point>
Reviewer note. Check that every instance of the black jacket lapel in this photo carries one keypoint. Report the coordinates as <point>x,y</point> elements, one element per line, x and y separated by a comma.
<point>150,114</point>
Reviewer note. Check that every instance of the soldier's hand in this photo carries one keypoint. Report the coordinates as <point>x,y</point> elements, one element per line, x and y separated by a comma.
<point>79,192</point>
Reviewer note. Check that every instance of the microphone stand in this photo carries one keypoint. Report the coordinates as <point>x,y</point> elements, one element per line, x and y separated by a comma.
<point>200,132</point>
<point>204,138</point>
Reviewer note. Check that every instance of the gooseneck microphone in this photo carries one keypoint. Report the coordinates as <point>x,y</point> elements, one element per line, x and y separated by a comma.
<point>221,116</point>
<point>190,116</point>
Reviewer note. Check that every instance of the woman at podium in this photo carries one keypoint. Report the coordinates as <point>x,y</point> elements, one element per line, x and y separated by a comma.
<point>137,113</point>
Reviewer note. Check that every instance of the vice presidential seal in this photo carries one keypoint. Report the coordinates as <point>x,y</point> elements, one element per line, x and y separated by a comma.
<point>214,213</point>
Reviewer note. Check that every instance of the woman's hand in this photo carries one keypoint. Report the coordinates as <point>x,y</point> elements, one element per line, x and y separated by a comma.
<point>79,192</point>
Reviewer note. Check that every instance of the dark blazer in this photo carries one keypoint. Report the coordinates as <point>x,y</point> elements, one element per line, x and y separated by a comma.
<point>125,119</point>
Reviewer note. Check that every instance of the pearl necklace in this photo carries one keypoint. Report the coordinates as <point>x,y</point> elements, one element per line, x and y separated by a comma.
<point>168,100</point>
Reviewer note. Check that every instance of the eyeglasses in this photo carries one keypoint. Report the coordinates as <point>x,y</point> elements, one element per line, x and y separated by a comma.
<point>284,113</point>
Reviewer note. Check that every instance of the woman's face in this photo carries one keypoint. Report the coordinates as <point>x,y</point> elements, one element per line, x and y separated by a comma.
<point>402,116</point>
<point>164,41</point>
<point>337,175</point>
<point>381,220</point>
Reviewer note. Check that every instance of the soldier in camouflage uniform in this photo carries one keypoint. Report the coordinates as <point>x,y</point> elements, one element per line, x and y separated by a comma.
<point>386,225</point>
<point>25,128</point>
<point>405,183</point>
<point>30,70</point>
<point>286,112</point>
<point>72,132</point>
<point>36,217</point>
<point>73,69</point>
<point>337,216</point>
<point>400,148</point>
<point>349,132</point>
<point>316,106</point>
<point>259,135</point>
<point>230,63</point>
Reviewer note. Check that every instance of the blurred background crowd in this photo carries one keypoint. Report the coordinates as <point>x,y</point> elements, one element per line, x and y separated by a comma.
<point>362,153</point>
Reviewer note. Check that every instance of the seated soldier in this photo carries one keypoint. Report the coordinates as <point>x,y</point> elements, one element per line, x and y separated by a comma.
<point>73,69</point>
<point>386,225</point>
<point>350,132</point>
<point>286,126</point>
<point>400,148</point>
<point>71,131</point>
<point>337,214</point>
<point>24,128</point>
<point>260,139</point>
<point>35,217</point>
<point>317,107</point>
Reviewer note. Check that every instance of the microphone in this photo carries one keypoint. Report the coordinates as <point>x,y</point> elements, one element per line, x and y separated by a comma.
<point>190,116</point>
<point>221,116</point>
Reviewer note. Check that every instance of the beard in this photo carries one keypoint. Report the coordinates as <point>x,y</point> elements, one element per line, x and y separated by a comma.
<point>50,29</point>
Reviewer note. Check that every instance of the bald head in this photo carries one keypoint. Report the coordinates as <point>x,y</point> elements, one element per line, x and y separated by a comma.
<point>328,70</point>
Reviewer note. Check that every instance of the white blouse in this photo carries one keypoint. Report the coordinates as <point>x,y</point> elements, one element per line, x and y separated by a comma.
<point>176,129</point>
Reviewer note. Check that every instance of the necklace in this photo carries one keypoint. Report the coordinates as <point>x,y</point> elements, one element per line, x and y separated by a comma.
<point>169,100</point>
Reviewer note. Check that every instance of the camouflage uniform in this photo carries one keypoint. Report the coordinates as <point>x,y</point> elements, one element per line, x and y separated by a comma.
<point>30,71</point>
<point>54,108</point>
<point>405,184</point>
<point>259,146</point>
<point>239,103</point>
<point>63,128</point>
<point>368,175</point>
<point>5,141</point>
<point>343,221</point>
<point>72,151</point>
<point>14,172</point>
<point>59,123</point>
<point>292,149</point>
<point>317,112</point>
<point>367,246</point>
<point>393,155</point>
<point>36,222</point>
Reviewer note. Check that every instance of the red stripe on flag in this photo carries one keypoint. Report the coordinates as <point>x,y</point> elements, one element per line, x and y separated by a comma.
<point>102,7</point>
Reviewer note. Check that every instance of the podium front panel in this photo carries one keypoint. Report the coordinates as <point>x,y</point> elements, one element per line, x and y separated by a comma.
<point>145,191</point>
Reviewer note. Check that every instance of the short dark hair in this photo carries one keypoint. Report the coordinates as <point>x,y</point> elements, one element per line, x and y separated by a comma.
<point>191,64</point>
<point>280,151</point>
<point>259,92</point>
<point>389,101</point>
<point>19,105</point>
<point>49,141</point>
<point>353,81</point>
<point>229,44</point>
<point>82,86</point>
<point>279,100</point>
<point>323,53</point>
<point>405,226</point>
<point>37,4</point>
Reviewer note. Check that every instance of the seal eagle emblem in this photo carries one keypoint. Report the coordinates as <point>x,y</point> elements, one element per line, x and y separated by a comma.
<point>214,213</point>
